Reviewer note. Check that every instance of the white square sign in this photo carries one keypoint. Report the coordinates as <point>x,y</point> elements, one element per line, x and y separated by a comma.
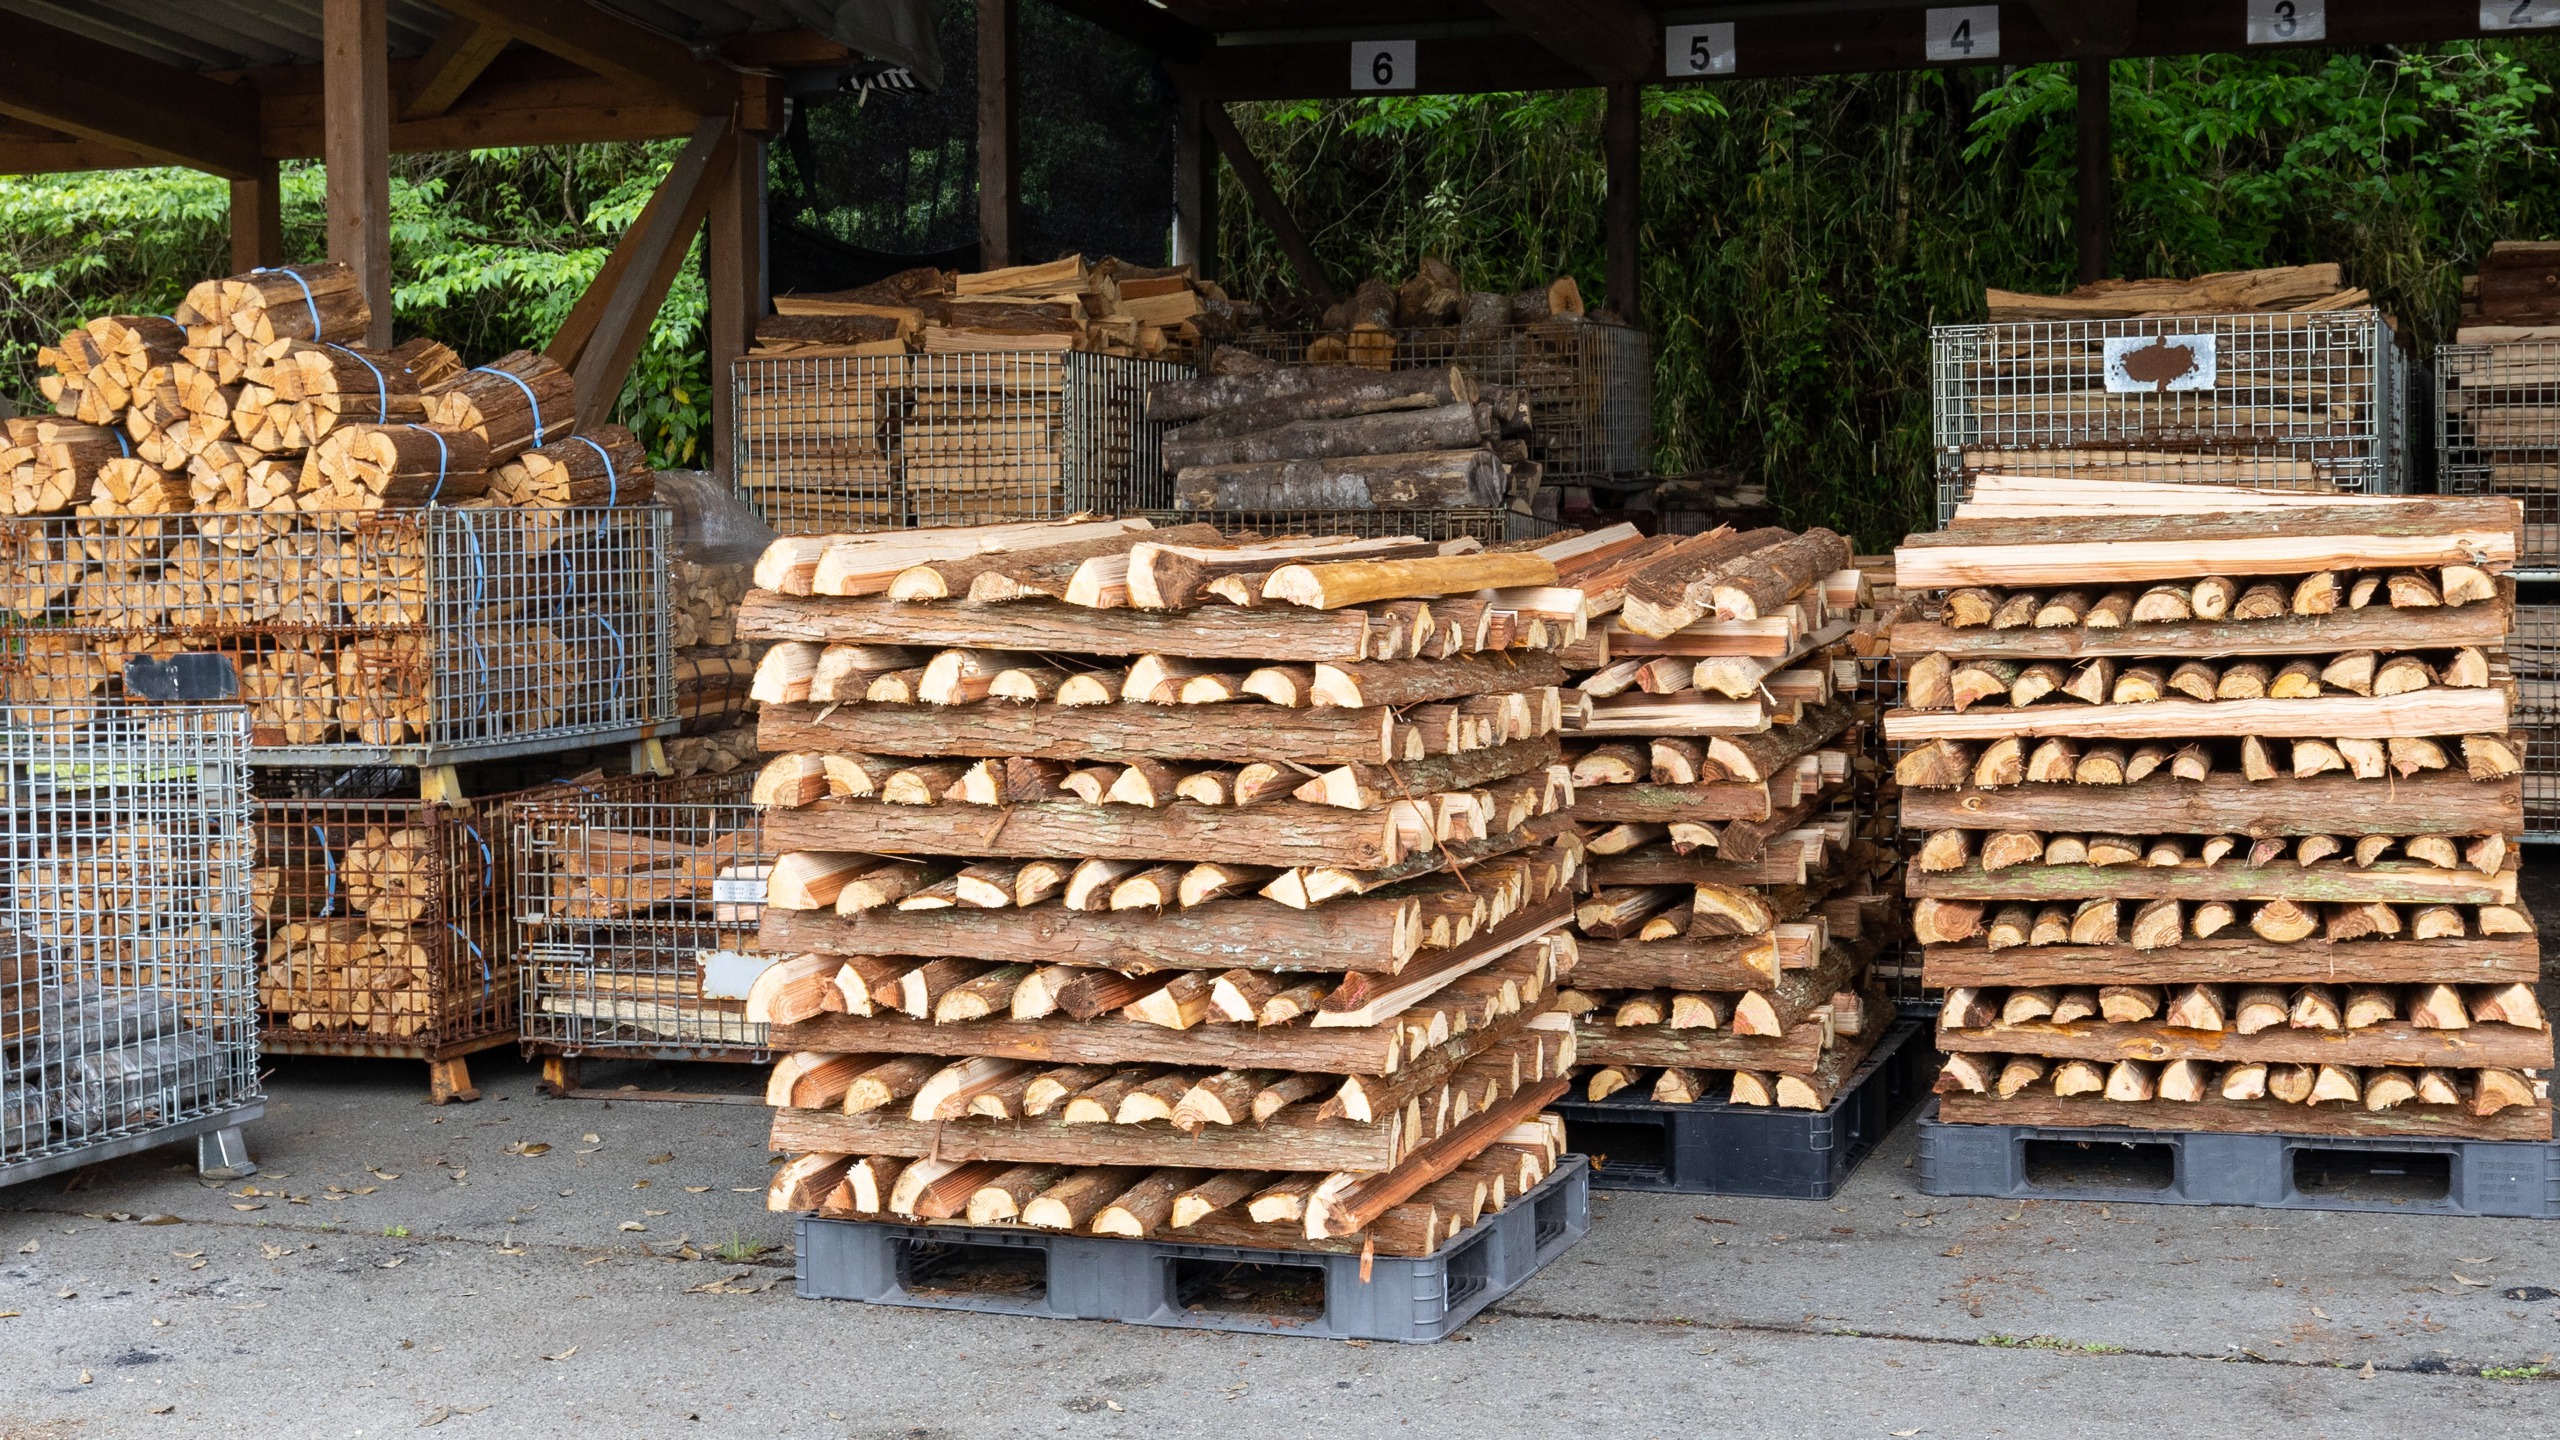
<point>1381,64</point>
<point>1697,50</point>
<point>1956,33</point>
<point>2519,14</point>
<point>2152,364</point>
<point>2288,22</point>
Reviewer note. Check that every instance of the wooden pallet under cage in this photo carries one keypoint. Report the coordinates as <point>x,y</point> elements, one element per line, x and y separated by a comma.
<point>414,637</point>
<point>381,931</point>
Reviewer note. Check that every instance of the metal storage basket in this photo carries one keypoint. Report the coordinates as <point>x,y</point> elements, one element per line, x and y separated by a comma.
<point>637,903</point>
<point>2497,417</point>
<point>2533,656</point>
<point>406,637</point>
<point>127,1013</point>
<point>882,442</point>
<point>1590,385</point>
<point>2313,401</point>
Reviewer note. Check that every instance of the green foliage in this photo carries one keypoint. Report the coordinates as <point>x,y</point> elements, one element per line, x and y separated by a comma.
<point>1800,237</point>
<point>490,250</point>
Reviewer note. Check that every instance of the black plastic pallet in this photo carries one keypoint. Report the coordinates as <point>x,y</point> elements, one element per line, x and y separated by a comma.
<point>1008,1271</point>
<point>1714,1147</point>
<point>2413,1175</point>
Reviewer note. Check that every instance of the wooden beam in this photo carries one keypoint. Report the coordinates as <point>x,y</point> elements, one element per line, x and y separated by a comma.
<point>2088,28</point>
<point>463,50</point>
<point>2394,1042</point>
<point>257,221</point>
<point>1195,191</point>
<point>615,49</point>
<point>2246,1117</point>
<point>525,97</point>
<point>2437,711</point>
<point>1623,207</point>
<point>1266,200</point>
<point>2477,960</point>
<point>611,321</point>
<point>737,289</point>
<point>2441,802</point>
<point>97,93</point>
<point>27,149</point>
<point>2093,219</point>
<point>1000,241</point>
<point>1612,41</point>
<point>2392,882</point>
<point>1144,25</point>
<point>356,80</point>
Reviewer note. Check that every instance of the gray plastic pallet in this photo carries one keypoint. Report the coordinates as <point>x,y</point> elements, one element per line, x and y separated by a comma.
<point>1160,1282</point>
<point>2408,1174</point>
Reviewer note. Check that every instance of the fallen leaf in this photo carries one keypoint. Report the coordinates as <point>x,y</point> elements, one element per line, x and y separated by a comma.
<point>2316,1310</point>
<point>9,1314</point>
<point>563,1355</point>
<point>1952,1251</point>
<point>198,1265</point>
<point>236,1205</point>
<point>66,1294</point>
<point>161,1220</point>
<point>156,1324</point>
<point>2367,1372</point>
<point>662,1159</point>
<point>591,1139</point>
<point>188,1254</point>
<point>393,1261</point>
<point>536,1148</point>
<point>385,1174</point>
<point>162,1409</point>
<point>275,1252</point>
<point>695,1189</point>
<point>633,1225</point>
<point>29,1248</point>
<point>2467,1280</point>
<point>84,1377</point>
<point>1906,1434</point>
<point>511,1249</point>
<point>653,1212</point>
<point>364,1189</point>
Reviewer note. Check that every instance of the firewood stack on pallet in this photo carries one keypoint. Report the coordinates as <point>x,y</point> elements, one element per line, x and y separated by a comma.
<point>1253,436</point>
<point>1109,306</point>
<point>1715,732</point>
<point>1146,883</point>
<point>2218,799</point>
<point>715,670</point>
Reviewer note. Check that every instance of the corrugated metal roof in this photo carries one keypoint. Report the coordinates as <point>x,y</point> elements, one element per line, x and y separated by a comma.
<point>243,34</point>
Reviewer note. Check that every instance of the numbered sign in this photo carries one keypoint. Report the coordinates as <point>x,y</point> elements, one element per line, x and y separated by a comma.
<point>2288,22</point>
<point>1695,50</point>
<point>1962,32</point>
<point>2519,14</point>
<point>1381,64</point>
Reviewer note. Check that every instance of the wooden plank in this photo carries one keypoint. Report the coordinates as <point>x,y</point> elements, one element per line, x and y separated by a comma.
<point>1043,731</point>
<point>2480,960</point>
<point>2090,551</point>
<point>1279,832</point>
<point>2247,1117</point>
<point>1798,1052</point>
<point>658,245</point>
<point>2340,881</point>
<point>1212,632</point>
<point>2438,711</point>
<point>109,96</point>
<point>355,61</point>
<point>2393,1043</point>
<point>2429,803</point>
<point>1294,1140</point>
<point>636,58</point>
<point>462,51</point>
<point>1000,237</point>
<point>1741,963</point>
<point>1645,803</point>
<point>2376,627</point>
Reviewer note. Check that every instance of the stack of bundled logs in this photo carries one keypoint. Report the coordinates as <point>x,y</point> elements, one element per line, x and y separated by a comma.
<point>714,669</point>
<point>2516,295</point>
<point>1253,436</point>
<point>377,922</point>
<point>1153,883</point>
<point>2220,806</point>
<point>2281,288</point>
<point>1431,309</point>
<point>1717,734</point>
<point>1110,306</point>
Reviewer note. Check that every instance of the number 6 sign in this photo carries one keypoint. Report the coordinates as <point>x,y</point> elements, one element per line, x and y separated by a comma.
<point>1381,64</point>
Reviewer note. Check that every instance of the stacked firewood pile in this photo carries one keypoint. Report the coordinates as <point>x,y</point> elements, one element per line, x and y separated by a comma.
<point>714,669</point>
<point>1432,309</point>
<point>2219,800</point>
<point>1735,903</point>
<point>1109,306</point>
<point>1151,883</point>
<point>1255,436</point>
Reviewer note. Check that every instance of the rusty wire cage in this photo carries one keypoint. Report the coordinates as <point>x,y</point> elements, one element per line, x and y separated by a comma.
<point>2311,401</point>
<point>883,442</point>
<point>2497,417</point>
<point>127,1014</point>
<point>382,927</point>
<point>2533,657</point>
<point>637,903</point>
<point>1589,384</point>
<point>408,637</point>
<point>1490,526</point>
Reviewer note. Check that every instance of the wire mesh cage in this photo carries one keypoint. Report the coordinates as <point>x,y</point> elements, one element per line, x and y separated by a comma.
<point>410,637</point>
<point>127,1016</point>
<point>382,928</point>
<point>2311,401</point>
<point>2497,415</point>
<point>1490,526</point>
<point>2533,657</point>
<point>1589,384</point>
<point>637,904</point>
<point>836,443</point>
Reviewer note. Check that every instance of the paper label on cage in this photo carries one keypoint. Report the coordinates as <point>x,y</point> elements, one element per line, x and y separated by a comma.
<point>2148,364</point>
<point>737,890</point>
<point>728,975</point>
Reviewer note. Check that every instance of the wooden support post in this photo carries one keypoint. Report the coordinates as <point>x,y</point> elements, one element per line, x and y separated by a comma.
<point>559,1075</point>
<point>257,221</point>
<point>607,326</point>
<point>1195,191</point>
<point>999,136</point>
<point>2094,220</point>
<point>355,63</point>
<point>1620,132</point>
<point>735,252</point>
<point>1266,200</point>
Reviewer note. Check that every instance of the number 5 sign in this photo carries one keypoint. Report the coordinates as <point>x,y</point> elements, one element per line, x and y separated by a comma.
<point>1697,50</point>
<point>2287,22</point>
<point>1381,64</point>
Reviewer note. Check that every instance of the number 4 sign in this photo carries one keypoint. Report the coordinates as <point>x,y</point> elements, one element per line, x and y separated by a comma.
<point>1959,33</point>
<point>2287,22</point>
<point>2519,14</point>
<point>1381,64</point>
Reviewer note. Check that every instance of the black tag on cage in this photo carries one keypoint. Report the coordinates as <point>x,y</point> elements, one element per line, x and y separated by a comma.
<point>193,678</point>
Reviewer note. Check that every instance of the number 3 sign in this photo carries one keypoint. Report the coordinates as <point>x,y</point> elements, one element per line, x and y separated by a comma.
<point>2287,22</point>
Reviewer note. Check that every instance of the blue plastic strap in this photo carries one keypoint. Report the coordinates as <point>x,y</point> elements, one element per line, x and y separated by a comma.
<point>613,482</point>
<point>329,859</point>
<point>120,445</point>
<point>488,981</point>
<point>487,866</point>
<point>444,458</point>
<point>381,387</point>
<point>308,303</point>
<point>518,382</point>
